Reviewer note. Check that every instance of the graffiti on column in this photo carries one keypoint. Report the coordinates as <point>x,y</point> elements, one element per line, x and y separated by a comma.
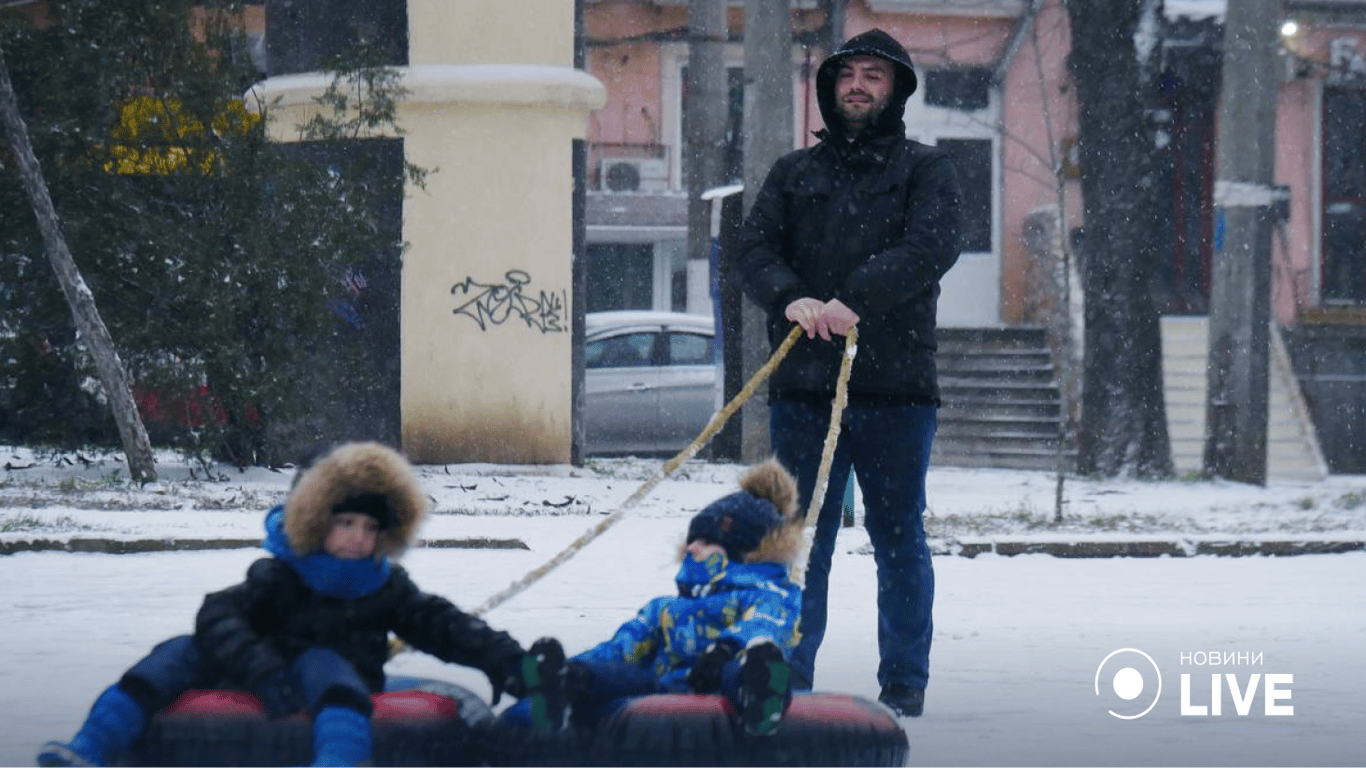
<point>497,303</point>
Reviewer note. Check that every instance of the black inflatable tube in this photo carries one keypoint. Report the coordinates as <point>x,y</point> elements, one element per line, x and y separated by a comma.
<point>694,730</point>
<point>197,738</point>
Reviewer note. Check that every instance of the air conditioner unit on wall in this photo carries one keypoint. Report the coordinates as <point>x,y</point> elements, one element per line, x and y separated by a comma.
<point>634,174</point>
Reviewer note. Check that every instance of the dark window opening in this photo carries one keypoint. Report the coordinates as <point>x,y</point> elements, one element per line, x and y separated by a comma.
<point>1344,196</point>
<point>964,88</point>
<point>619,276</point>
<point>972,159</point>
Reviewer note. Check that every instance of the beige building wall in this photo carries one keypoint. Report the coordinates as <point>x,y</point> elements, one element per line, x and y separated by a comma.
<point>493,107</point>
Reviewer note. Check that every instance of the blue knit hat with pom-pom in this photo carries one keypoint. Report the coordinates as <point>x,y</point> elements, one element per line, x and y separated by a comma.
<point>737,522</point>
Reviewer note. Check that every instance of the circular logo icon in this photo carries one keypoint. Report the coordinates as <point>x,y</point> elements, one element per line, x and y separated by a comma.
<point>1129,680</point>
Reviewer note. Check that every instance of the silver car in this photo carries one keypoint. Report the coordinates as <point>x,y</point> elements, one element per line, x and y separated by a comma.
<point>650,380</point>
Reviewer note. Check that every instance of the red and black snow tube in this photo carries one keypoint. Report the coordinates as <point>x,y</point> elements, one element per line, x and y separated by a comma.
<point>416,722</point>
<point>698,730</point>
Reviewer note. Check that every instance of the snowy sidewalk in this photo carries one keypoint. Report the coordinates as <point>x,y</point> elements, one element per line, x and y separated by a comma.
<point>1020,643</point>
<point>79,503</point>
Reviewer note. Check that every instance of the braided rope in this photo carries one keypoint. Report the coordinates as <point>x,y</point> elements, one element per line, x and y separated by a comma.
<point>714,425</point>
<point>832,434</point>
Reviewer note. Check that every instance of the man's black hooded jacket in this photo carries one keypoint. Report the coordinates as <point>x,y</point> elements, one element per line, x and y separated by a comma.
<point>872,220</point>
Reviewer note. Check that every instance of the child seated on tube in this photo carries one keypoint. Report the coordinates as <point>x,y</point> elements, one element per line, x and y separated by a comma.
<point>728,629</point>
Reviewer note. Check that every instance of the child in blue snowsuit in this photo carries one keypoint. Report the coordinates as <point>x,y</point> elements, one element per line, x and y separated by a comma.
<point>309,627</point>
<point>729,628</point>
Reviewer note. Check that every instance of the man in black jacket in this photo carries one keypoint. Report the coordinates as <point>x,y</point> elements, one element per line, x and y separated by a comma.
<point>858,230</point>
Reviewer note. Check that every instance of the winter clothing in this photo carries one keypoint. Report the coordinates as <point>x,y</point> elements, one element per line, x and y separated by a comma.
<point>114,721</point>
<point>765,689</point>
<point>890,450</point>
<point>705,676</point>
<point>543,674</point>
<point>290,603</point>
<point>310,630</point>
<point>338,478</point>
<point>903,700</point>
<point>278,694</point>
<point>737,522</point>
<point>373,504</point>
<point>720,603</point>
<point>670,634</point>
<point>722,606</point>
<point>871,219</point>
<point>877,43</point>
<point>341,736</point>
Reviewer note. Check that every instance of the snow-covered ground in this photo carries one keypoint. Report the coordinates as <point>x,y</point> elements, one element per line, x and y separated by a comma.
<point>1017,673</point>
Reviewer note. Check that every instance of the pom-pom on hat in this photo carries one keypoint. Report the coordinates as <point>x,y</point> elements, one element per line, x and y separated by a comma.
<point>738,522</point>
<point>758,524</point>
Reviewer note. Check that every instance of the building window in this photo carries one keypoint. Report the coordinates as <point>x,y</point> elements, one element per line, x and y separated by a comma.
<point>972,160</point>
<point>1343,270</point>
<point>955,109</point>
<point>620,276</point>
<point>962,88</point>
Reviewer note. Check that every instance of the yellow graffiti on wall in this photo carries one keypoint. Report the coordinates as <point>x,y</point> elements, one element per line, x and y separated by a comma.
<point>156,136</point>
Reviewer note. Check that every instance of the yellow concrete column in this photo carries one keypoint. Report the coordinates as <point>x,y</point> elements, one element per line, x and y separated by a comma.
<point>492,109</point>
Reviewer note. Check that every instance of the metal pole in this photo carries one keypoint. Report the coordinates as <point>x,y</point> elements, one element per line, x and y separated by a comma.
<point>1240,301</point>
<point>704,128</point>
<point>768,136</point>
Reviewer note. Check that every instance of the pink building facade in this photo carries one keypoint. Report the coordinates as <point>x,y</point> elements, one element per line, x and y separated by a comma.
<point>996,91</point>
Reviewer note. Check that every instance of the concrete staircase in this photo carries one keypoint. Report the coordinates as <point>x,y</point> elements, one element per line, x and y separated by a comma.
<point>1002,405</point>
<point>1001,402</point>
<point>1292,446</point>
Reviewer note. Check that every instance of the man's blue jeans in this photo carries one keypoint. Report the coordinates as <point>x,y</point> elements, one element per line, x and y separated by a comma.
<point>888,449</point>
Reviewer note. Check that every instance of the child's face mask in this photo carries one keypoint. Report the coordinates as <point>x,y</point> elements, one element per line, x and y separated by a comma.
<point>694,574</point>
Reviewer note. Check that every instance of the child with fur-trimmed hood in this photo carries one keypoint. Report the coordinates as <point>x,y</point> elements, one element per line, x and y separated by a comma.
<point>730,625</point>
<point>309,627</point>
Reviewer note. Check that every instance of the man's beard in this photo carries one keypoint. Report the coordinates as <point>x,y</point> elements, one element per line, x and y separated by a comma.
<point>870,118</point>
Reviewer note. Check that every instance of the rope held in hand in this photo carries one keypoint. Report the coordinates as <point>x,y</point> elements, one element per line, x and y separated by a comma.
<point>713,426</point>
<point>832,434</point>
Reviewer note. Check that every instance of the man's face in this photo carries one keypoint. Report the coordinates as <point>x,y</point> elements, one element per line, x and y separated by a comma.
<point>863,86</point>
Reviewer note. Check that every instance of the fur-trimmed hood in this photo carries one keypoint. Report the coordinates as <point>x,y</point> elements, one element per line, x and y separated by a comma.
<point>346,471</point>
<point>785,542</point>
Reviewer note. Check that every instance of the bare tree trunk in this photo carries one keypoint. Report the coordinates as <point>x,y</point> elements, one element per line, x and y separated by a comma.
<point>136,446</point>
<point>1124,424</point>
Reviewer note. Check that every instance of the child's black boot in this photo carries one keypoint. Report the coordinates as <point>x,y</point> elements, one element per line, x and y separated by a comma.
<point>765,688</point>
<point>543,680</point>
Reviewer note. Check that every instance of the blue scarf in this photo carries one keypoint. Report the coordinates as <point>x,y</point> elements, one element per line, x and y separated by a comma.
<point>324,573</point>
